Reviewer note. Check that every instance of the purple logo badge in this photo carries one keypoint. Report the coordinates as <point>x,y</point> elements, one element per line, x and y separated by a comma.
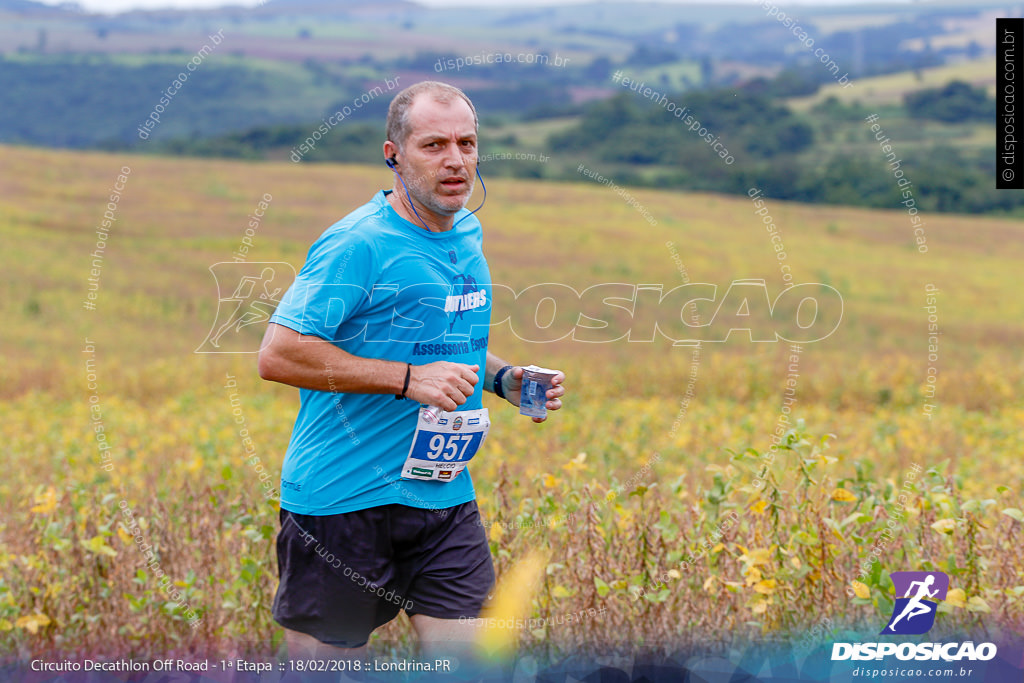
<point>917,599</point>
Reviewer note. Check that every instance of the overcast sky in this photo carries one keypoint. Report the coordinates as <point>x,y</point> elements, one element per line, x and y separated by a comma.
<point>113,6</point>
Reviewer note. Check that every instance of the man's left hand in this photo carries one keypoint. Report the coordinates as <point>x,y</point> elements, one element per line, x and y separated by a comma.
<point>512,385</point>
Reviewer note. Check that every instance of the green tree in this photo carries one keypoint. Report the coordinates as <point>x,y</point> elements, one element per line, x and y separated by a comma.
<point>955,102</point>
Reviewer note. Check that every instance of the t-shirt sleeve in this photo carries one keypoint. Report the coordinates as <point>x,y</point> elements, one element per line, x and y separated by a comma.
<point>332,287</point>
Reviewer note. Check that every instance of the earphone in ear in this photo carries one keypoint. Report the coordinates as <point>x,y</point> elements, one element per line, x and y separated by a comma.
<point>391,162</point>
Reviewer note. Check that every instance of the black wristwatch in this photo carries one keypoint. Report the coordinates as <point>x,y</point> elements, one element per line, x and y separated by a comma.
<point>497,380</point>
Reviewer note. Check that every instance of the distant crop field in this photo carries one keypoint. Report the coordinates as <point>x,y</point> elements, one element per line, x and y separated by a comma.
<point>710,494</point>
<point>890,88</point>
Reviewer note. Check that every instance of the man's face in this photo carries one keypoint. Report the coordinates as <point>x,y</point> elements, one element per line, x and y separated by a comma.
<point>438,160</point>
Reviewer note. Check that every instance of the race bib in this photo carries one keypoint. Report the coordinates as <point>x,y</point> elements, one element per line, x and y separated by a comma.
<point>442,447</point>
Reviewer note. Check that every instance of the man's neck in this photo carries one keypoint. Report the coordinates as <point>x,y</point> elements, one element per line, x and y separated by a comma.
<point>418,217</point>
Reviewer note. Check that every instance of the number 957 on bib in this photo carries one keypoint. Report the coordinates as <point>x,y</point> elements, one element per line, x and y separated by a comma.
<point>440,450</point>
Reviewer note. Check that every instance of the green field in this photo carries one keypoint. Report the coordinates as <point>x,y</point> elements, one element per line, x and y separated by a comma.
<point>888,90</point>
<point>621,486</point>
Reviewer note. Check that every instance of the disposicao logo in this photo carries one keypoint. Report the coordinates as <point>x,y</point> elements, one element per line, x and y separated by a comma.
<point>914,612</point>
<point>917,598</point>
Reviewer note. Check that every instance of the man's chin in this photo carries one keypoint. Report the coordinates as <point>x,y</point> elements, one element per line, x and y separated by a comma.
<point>444,204</point>
<point>450,205</point>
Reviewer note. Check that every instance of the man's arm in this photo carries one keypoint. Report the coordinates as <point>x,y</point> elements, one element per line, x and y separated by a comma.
<point>309,362</point>
<point>494,363</point>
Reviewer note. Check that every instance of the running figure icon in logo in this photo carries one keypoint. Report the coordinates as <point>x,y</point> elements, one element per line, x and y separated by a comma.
<point>917,596</point>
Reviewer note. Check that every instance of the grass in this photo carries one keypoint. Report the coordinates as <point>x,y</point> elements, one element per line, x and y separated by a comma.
<point>649,504</point>
<point>890,88</point>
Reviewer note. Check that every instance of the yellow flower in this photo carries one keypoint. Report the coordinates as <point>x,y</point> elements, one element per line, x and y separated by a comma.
<point>45,503</point>
<point>976,604</point>
<point>956,597</point>
<point>576,464</point>
<point>757,556</point>
<point>843,496</point>
<point>194,465</point>
<point>98,546</point>
<point>32,623</point>
<point>561,591</point>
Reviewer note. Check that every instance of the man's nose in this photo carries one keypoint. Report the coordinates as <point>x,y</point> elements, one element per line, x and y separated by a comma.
<point>454,158</point>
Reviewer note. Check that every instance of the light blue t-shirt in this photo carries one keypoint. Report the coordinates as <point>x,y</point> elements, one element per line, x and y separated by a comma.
<point>378,286</point>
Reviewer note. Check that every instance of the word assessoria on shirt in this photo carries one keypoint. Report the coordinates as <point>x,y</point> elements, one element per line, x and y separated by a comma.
<point>602,313</point>
<point>450,348</point>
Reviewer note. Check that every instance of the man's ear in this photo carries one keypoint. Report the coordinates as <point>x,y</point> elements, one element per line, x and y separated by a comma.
<point>390,150</point>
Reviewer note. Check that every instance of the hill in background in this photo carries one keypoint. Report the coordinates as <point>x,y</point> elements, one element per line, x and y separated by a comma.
<point>177,217</point>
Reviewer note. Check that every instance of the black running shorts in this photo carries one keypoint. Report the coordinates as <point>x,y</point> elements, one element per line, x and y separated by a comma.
<point>344,575</point>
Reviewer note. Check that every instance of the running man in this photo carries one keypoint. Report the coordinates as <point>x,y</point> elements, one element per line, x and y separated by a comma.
<point>389,315</point>
<point>257,311</point>
<point>915,606</point>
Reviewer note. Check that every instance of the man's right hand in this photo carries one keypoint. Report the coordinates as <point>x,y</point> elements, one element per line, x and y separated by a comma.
<point>442,383</point>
